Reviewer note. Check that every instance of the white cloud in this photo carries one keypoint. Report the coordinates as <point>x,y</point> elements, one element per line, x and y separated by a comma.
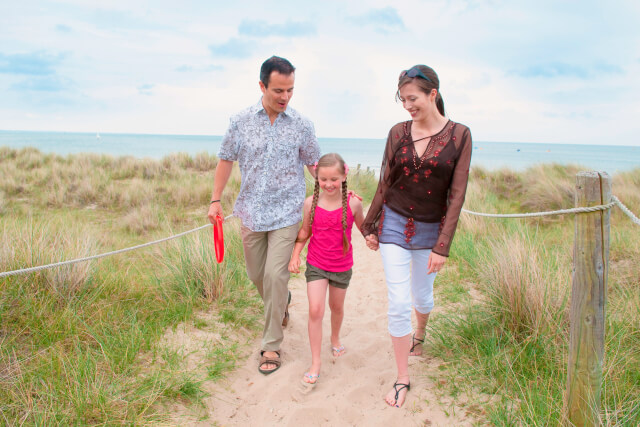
<point>513,71</point>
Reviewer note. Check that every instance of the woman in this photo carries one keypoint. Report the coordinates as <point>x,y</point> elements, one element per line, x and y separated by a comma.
<point>415,210</point>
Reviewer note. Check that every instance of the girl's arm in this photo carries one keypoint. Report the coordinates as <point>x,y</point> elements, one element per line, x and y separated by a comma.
<point>358,212</point>
<point>303,235</point>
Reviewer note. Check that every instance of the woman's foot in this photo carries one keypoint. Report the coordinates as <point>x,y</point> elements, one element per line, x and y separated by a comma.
<point>416,342</point>
<point>398,393</point>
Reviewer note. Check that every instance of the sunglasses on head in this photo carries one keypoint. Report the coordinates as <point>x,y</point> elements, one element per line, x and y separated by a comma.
<point>415,72</point>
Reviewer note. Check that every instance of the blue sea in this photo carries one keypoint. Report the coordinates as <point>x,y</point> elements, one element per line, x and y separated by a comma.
<point>364,152</point>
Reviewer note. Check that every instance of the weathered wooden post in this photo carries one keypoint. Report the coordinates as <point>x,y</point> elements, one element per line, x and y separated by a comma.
<point>588,297</point>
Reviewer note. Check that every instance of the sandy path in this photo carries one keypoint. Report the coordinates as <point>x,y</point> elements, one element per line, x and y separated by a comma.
<point>351,388</point>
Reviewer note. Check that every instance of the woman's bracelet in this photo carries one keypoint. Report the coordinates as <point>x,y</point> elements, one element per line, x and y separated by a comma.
<point>213,201</point>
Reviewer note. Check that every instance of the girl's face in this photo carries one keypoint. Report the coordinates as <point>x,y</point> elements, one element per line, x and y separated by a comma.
<point>416,102</point>
<point>331,178</point>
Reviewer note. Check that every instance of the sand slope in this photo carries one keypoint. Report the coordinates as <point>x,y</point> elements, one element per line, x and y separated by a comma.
<point>351,388</point>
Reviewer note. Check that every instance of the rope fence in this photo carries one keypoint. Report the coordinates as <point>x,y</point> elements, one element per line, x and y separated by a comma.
<point>106,254</point>
<point>615,202</point>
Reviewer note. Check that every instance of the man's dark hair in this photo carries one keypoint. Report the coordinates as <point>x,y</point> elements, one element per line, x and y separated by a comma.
<point>275,63</point>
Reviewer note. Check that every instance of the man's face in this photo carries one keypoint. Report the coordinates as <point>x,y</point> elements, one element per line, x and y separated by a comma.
<point>277,94</point>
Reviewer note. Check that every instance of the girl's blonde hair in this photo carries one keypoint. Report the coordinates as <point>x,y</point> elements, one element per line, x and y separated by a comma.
<point>331,160</point>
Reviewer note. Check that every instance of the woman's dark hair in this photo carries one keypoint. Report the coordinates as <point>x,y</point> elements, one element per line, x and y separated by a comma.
<point>425,85</point>
<point>275,63</point>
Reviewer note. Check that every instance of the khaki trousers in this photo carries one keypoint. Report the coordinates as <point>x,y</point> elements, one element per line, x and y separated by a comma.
<point>267,255</point>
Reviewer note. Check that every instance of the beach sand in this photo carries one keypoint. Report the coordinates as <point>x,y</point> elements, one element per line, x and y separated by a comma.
<point>351,388</point>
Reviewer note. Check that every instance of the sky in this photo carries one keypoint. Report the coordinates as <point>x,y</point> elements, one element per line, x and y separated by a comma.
<point>550,71</point>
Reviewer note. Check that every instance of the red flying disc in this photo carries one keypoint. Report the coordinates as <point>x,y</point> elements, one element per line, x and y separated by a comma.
<point>218,239</point>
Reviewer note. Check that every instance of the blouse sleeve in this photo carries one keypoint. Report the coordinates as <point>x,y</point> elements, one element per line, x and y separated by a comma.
<point>372,220</point>
<point>457,191</point>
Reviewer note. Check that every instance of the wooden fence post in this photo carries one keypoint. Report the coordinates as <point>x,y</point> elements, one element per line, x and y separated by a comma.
<point>588,297</point>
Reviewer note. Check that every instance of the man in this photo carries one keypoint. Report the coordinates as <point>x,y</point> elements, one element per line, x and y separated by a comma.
<point>271,143</point>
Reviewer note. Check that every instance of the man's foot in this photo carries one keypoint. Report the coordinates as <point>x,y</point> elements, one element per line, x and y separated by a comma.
<point>398,393</point>
<point>416,343</point>
<point>338,351</point>
<point>269,362</point>
<point>285,320</point>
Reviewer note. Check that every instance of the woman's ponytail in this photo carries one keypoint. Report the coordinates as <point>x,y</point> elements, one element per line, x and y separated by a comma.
<point>440,103</point>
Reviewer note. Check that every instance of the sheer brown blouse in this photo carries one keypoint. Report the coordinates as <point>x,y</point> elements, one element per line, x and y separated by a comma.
<point>427,189</point>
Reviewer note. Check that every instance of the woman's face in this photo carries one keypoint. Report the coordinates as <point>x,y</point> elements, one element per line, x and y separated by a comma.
<point>416,102</point>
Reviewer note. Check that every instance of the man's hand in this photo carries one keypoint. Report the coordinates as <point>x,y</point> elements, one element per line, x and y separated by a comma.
<point>215,209</point>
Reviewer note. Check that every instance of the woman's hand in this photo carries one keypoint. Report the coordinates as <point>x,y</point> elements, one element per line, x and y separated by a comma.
<point>372,242</point>
<point>436,262</point>
<point>294,264</point>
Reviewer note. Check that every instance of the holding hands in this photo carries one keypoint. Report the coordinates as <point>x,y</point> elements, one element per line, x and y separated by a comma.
<point>372,242</point>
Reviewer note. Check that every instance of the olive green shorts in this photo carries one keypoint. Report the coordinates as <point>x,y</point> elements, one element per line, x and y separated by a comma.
<point>337,280</point>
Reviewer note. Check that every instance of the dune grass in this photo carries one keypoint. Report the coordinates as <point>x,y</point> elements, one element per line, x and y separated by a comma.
<point>85,344</point>
<point>75,341</point>
<point>82,344</point>
<point>510,340</point>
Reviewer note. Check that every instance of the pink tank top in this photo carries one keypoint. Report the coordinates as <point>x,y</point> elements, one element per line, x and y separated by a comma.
<point>325,246</point>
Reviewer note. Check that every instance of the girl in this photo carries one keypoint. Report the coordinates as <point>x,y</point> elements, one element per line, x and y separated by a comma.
<point>328,220</point>
<point>415,210</point>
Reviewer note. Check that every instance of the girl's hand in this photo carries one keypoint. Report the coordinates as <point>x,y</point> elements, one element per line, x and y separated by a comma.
<point>436,262</point>
<point>372,242</point>
<point>294,264</point>
<point>354,194</point>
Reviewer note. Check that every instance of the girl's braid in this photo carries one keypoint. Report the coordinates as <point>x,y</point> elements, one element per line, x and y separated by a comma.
<point>314,203</point>
<point>345,201</point>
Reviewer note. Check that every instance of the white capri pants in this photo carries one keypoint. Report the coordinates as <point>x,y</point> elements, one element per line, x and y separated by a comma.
<point>406,275</point>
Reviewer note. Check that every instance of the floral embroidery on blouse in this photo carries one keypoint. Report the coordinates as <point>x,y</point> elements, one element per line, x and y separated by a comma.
<point>423,189</point>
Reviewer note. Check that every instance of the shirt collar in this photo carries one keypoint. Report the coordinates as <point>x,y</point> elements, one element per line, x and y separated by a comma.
<point>259,108</point>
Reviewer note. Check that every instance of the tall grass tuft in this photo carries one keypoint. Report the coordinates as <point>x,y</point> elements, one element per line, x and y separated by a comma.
<point>549,187</point>
<point>526,285</point>
<point>364,183</point>
<point>38,242</point>
<point>191,265</point>
<point>142,219</point>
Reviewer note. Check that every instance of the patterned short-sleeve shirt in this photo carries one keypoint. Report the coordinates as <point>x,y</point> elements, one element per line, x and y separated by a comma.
<point>271,160</point>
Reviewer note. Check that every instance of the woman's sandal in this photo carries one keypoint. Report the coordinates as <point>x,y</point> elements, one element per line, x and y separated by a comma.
<point>415,344</point>
<point>337,351</point>
<point>264,360</point>
<point>398,390</point>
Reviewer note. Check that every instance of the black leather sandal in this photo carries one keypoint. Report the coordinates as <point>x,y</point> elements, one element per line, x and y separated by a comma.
<point>414,343</point>
<point>398,390</point>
